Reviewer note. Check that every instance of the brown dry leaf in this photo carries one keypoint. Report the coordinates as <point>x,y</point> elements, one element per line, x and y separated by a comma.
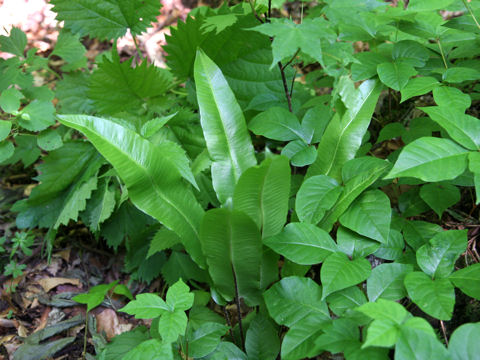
<point>7,338</point>
<point>49,283</point>
<point>22,331</point>
<point>64,254</point>
<point>43,319</point>
<point>107,321</point>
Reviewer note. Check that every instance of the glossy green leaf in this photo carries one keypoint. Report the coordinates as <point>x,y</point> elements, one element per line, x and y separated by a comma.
<point>393,248</point>
<point>146,306</point>
<point>460,74</point>
<point>299,341</point>
<point>224,127</point>
<point>174,204</point>
<point>410,52</point>
<point>278,123</point>
<point>205,339</point>
<point>418,233</point>
<point>299,153</point>
<point>437,258</point>
<point>347,299</point>
<point>395,75</point>
<point>338,272</point>
<point>370,216</point>
<point>464,129</point>
<point>463,344</point>
<point>354,244</point>
<point>384,310</point>
<point>153,349</point>
<point>316,195</point>
<point>419,86</point>
<point>468,280</point>
<point>262,192</point>
<point>386,281</point>
<point>302,243</point>
<point>440,196</point>
<point>36,116</point>
<point>382,332</point>
<point>474,167</point>
<point>451,97</point>
<point>430,159</point>
<point>435,297</point>
<point>338,336</point>
<point>232,245</point>
<point>262,341</point>
<point>343,136</point>
<point>414,344</point>
<point>293,299</point>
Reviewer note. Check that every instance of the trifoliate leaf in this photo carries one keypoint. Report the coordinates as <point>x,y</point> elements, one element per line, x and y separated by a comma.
<point>106,19</point>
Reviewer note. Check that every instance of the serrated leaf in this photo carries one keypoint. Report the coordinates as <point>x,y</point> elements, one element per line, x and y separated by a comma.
<point>430,159</point>
<point>106,20</point>
<point>438,257</point>
<point>343,136</point>
<point>181,266</point>
<point>468,280</point>
<point>302,243</point>
<point>72,94</point>
<point>36,116</point>
<point>10,100</point>
<point>262,192</point>
<point>174,204</point>
<point>221,117</point>
<point>338,272</point>
<point>316,195</point>
<point>219,22</point>
<point>163,239</point>
<point>232,244</point>
<point>369,215</point>
<point>70,49</point>
<point>386,281</point>
<point>15,43</point>
<point>435,297</point>
<point>294,299</point>
<point>100,206</point>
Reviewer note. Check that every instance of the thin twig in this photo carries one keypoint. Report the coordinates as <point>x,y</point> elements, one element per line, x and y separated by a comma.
<point>442,325</point>
<point>239,311</point>
<point>442,54</point>
<point>285,87</point>
<point>290,61</point>
<point>293,83</point>
<point>140,56</point>
<point>471,13</point>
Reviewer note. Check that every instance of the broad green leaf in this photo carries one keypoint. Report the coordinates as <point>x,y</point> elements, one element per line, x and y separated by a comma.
<point>343,136</point>
<point>163,239</point>
<point>450,97</point>
<point>435,297</point>
<point>428,5</point>
<point>302,243</point>
<point>354,244</point>
<point>226,351</point>
<point>152,349</point>
<point>382,332</point>
<point>346,299</point>
<point>437,258</point>
<point>72,94</point>
<point>278,123</point>
<point>440,196</point>
<point>15,43</point>
<point>338,272</point>
<point>70,49</point>
<point>36,116</point>
<point>10,100</point>
<point>419,323</point>
<point>464,343</point>
<point>460,74</point>
<point>232,245</point>
<point>430,159</point>
<point>219,22</point>
<point>386,281</point>
<point>474,167</point>
<point>384,310</point>
<point>145,169</point>
<point>123,343</point>
<point>299,153</point>
<point>6,150</point>
<point>419,86</point>
<point>464,129</point>
<point>5,127</point>
<point>410,52</point>
<point>262,342</point>
<point>339,335</point>
<point>146,306</point>
<point>418,233</point>
<point>393,248</point>
<point>414,344</point>
<point>262,192</point>
<point>49,140</point>
<point>299,341</point>
<point>354,186</point>
<point>224,127</point>
<point>468,280</point>
<point>316,195</point>
<point>108,20</point>
<point>179,296</point>
<point>181,266</point>
<point>370,215</point>
<point>172,324</point>
<point>395,75</point>
<point>293,299</point>
<point>367,66</point>
<point>205,339</point>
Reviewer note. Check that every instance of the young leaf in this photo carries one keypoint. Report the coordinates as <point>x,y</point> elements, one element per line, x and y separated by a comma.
<point>172,324</point>
<point>294,299</point>
<point>343,136</point>
<point>179,296</point>
<point>109,20</point>
<point>262,192</point>
<point>15,43</point>
<point>435,297</point>
<point>262,342</point>
<point>437,258</point>
<point>370,215</point>
<point>468,280</point>
<point>384,310</point>
<point>144,168</point>
<point>224,127</point>
<point>146,306</point>
<point>430,159</point>
<point>316,195</point>
<point>232,244</point>
<point>381,332</point>
<point>302,243</point>
<point>338,272</point>
<point>464,343</point>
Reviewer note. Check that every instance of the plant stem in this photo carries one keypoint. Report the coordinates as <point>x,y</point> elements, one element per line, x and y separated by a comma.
<point>471,13</point>
<point>442,325</point>
<point>441,53</point>
<point>239,311</point>
<point>140,56</point>
<point>285,87</point>
<point>229,323</point>
<point>269,10</point>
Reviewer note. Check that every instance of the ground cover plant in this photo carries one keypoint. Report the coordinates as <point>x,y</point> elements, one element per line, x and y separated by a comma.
<point>303,185</point>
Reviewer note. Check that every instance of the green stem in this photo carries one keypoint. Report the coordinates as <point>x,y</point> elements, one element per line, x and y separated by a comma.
<point>471,13</point>
<point>137,47</point>
<point>442,54</point>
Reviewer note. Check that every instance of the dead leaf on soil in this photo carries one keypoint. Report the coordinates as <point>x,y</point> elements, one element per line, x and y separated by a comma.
<point>49,283</point>
<point>107,321</point>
